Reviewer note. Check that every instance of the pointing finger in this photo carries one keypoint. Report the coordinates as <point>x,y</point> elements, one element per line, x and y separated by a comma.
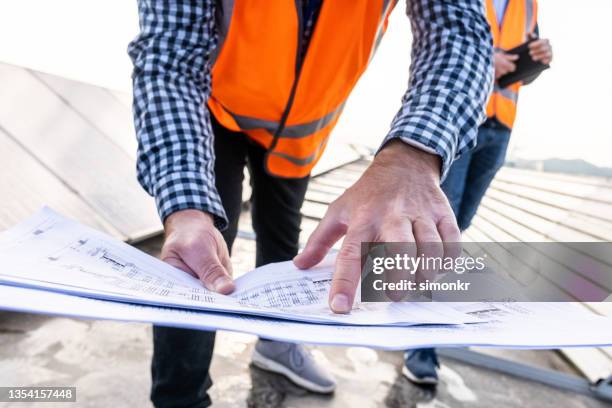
<point>348,270</point>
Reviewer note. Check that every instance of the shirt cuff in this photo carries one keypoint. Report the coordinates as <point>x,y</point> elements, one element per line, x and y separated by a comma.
<point>189,190</point>
<point>428,134</point>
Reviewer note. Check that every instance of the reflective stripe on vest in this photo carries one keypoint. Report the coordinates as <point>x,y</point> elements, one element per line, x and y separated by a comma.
<point>261,87</point>
<point>518,22</point>
<point>506,93</point>
<point>295,131</point>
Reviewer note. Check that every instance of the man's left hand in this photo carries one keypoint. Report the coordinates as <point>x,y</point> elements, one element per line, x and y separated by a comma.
<point>397,199</point>
<point>541,50</point>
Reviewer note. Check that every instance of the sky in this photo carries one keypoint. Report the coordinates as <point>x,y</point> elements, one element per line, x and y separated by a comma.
<point>564,114</point>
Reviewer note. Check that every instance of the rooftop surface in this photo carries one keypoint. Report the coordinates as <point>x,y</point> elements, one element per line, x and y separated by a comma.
<point>75,153</point>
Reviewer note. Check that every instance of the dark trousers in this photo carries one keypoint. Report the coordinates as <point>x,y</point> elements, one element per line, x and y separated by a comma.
<point>470,176</point>
<point>181,357</point>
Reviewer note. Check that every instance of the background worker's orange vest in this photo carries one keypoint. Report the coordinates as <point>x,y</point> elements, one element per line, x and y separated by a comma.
<point>261,87</point>
<point>519,21</point>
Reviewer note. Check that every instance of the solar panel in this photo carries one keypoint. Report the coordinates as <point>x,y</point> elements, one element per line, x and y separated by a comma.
<point>48,118</point>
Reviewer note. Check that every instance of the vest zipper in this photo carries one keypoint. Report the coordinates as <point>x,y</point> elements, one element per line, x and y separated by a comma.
<point>298,68</point>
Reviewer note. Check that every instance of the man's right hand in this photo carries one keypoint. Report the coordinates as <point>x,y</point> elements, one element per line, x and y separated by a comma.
<point>504,63</point>
<point>194,245</point>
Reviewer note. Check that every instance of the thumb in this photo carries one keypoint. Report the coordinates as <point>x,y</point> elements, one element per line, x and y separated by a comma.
<point>203,260</point>
<point>215,276</point>
<point>216,280</point>
<point>327,233</point>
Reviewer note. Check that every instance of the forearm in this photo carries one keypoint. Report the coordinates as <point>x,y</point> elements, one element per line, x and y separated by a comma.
<point>450,78</point>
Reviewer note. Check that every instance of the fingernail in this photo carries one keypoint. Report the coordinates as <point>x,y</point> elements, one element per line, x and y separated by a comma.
<point>220,283</point>
<point>340,303</point>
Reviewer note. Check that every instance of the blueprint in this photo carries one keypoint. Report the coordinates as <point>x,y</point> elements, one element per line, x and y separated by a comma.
<point>512,325</point>
<point>50,252</point>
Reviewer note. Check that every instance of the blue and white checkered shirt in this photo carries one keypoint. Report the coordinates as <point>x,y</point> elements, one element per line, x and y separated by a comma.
<point>450,77</point>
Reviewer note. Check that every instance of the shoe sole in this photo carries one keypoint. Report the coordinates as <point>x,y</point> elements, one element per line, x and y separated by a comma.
<point>421,381</point>
<point>267,364</point>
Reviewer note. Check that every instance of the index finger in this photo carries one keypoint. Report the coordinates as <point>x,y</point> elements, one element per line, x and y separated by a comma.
<point>348,270</point>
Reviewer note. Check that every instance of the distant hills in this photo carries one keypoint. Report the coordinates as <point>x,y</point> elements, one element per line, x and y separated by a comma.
<point>574,166</point>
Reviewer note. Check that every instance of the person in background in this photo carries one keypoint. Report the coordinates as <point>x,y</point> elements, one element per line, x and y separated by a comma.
<point>220,85</point>
<point>512,23</point>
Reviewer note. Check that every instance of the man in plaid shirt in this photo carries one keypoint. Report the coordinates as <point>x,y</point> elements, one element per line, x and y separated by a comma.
<point>193,165</point>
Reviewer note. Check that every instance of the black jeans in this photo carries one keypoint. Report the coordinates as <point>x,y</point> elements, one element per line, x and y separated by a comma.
<point>181,357</point>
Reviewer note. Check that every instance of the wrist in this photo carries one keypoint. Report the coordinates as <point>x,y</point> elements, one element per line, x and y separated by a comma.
<point>188,216</point>
<point>409,160</point>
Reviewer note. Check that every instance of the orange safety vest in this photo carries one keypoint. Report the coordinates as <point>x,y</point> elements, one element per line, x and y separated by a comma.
<point>519,21</point>
<point>260,85</point>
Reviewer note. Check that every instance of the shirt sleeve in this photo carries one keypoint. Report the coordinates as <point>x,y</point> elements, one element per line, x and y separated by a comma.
<point>451,74</point>
<point>171,81</point>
